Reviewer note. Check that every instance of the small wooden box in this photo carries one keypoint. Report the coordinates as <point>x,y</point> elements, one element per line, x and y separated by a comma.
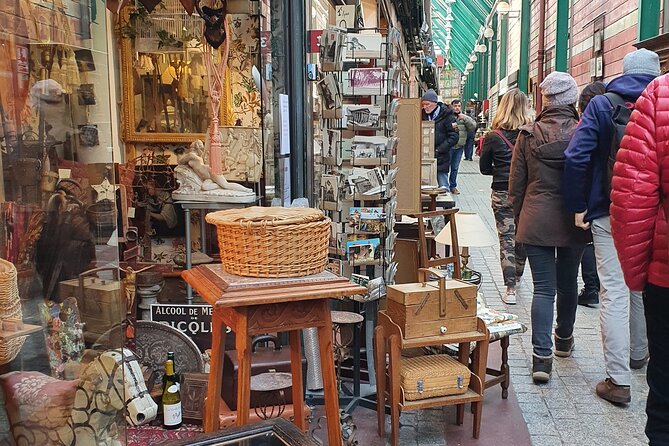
<point>436,308</point>
<point>100,304</point>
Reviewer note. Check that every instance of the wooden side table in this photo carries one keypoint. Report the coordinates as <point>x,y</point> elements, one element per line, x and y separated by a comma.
<point>251,306</point>
<point>388,339</point>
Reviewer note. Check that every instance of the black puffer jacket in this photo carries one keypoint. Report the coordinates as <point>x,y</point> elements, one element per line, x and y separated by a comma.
<point>445,136</point>
<point>496,158</point>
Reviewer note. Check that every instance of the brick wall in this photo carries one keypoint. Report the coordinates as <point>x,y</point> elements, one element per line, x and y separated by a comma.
<point>620,33</point>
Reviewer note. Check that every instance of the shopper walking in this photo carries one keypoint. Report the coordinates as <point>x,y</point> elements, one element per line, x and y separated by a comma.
<point>445,132</point>
<point>586,186</point>
<point>554,246</point>
<point>465,125</point>
<point>640,228</point>
<point>469,145</point>
<point>513,112</point>
<point>589,294</point>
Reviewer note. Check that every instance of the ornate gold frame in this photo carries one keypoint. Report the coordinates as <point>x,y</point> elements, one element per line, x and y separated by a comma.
<point>127,95</point>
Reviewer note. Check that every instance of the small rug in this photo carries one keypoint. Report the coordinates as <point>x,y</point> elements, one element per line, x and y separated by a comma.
<point>156,435</point>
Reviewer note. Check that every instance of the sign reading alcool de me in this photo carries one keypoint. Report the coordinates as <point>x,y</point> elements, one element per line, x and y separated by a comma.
<point>192,320</point>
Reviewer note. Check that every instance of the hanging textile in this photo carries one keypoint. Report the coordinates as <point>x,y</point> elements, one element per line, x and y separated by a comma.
<point>216,78</point>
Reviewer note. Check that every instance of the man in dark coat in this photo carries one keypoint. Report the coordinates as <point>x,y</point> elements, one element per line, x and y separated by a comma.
<point>446,132</point>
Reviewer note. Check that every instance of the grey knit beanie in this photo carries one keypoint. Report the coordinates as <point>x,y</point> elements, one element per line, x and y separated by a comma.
<point>430,95</point>
<point>642,61</point>
<point>559,88</point>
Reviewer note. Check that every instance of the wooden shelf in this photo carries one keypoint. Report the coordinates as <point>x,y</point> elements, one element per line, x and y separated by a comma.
<point>366,162</point>
<point>466,397</point>
<point>451,338</point>
<point>27,329</point>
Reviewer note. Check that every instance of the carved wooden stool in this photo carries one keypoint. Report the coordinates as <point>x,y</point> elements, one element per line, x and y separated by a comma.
<point>251,306</point>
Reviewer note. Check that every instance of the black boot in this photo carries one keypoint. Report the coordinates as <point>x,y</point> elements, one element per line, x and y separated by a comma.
<point>542,366</point>
<point>588,298</point>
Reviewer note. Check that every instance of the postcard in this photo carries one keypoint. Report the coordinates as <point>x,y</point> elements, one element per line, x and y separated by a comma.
<point>332,48</point>
<point>328,88</point>
<point>332,147</point>
<point>362,251</point>
<point>361,116</point>
<point>365,81</point>
<point>330,192</point>
<point>364,46</point>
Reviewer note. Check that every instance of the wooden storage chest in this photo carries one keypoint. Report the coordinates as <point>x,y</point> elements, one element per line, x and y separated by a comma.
<point>438,308</point>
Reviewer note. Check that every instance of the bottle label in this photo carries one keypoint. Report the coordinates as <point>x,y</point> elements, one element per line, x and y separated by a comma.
<point>172,414</point>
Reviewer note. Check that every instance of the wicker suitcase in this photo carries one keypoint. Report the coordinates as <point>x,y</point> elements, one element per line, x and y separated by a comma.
<point>433,376</point>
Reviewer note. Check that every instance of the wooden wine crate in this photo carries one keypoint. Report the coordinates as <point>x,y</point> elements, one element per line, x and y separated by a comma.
<point>436,308</point>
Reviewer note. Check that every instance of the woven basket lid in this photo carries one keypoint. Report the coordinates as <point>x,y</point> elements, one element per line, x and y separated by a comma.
<point>265,216</point>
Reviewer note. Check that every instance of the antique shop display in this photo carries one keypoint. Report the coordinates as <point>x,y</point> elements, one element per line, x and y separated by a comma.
<point>198,181</point>
<point>424,382</point>
<point>257,306</point>
<point>44,410</point>
<point>99,300</point>
<point>274,431</point>
<point>263,360</point>
<point>432,376</point>
<point>63,334</point>
<point>153,341</point>
<point>177,86</point>
<point>433,308</point>
<point>171,399</point>
<point>272,242</point>
<point>10,310</point>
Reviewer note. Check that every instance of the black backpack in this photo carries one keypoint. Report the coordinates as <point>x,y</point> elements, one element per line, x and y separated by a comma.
<point>619,119</point>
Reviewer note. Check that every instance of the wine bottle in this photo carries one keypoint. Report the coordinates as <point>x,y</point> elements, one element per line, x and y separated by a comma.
<point>177,377</point>
<point>171,399</point>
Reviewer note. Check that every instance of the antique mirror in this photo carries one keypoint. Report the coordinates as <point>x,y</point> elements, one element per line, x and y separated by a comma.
<point>165,84</point>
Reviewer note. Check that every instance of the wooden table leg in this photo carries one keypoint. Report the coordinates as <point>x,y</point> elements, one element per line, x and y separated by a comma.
<point>380,347</point>
<point>504,369</point>
<point>213,404</point>
<point>394,373</point>
<point>329,377</point>
<point>243,345</point>
<point>479,363</point>
<point>296,371</point>
<point>463,357</point>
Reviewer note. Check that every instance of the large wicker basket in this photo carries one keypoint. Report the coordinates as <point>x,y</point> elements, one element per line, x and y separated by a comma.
<point>10,308</point>
<point>431,376</point>
<point>272,241</point>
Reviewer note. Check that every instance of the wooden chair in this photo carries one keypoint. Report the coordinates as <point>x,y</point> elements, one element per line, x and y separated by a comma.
<point>500,376</point>
<point>454,257</point>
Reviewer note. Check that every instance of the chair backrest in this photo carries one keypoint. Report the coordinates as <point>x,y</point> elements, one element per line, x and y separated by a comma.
<point>454,257</point>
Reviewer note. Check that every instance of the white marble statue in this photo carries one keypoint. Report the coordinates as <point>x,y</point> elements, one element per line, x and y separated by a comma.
<point>196,182</point>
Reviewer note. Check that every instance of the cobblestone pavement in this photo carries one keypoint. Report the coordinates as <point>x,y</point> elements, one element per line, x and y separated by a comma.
<point>566,411</point>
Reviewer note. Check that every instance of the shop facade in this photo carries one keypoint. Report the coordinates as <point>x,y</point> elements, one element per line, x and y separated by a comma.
<point>100,104</point>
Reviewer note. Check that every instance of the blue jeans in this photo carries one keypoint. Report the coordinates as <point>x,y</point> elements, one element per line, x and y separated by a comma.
<point>469,146</point>
<point>551,273</point>
<point>442,178</point>
<point>456,157</point>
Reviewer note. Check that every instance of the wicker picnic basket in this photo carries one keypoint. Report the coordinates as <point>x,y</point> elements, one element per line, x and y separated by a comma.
<point>10,308</point>
<point>272,241</point>
<point>431,376</point>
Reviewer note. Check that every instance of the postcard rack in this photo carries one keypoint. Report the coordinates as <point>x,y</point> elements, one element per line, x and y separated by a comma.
<point>359,80</point>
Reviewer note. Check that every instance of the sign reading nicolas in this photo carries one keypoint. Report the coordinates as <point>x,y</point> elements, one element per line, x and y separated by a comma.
<point>192,320</point>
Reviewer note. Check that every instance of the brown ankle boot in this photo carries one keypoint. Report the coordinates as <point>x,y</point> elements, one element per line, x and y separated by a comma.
<point>613,393</point>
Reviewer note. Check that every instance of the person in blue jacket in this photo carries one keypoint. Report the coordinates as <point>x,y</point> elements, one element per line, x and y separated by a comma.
<point>586,192</point>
